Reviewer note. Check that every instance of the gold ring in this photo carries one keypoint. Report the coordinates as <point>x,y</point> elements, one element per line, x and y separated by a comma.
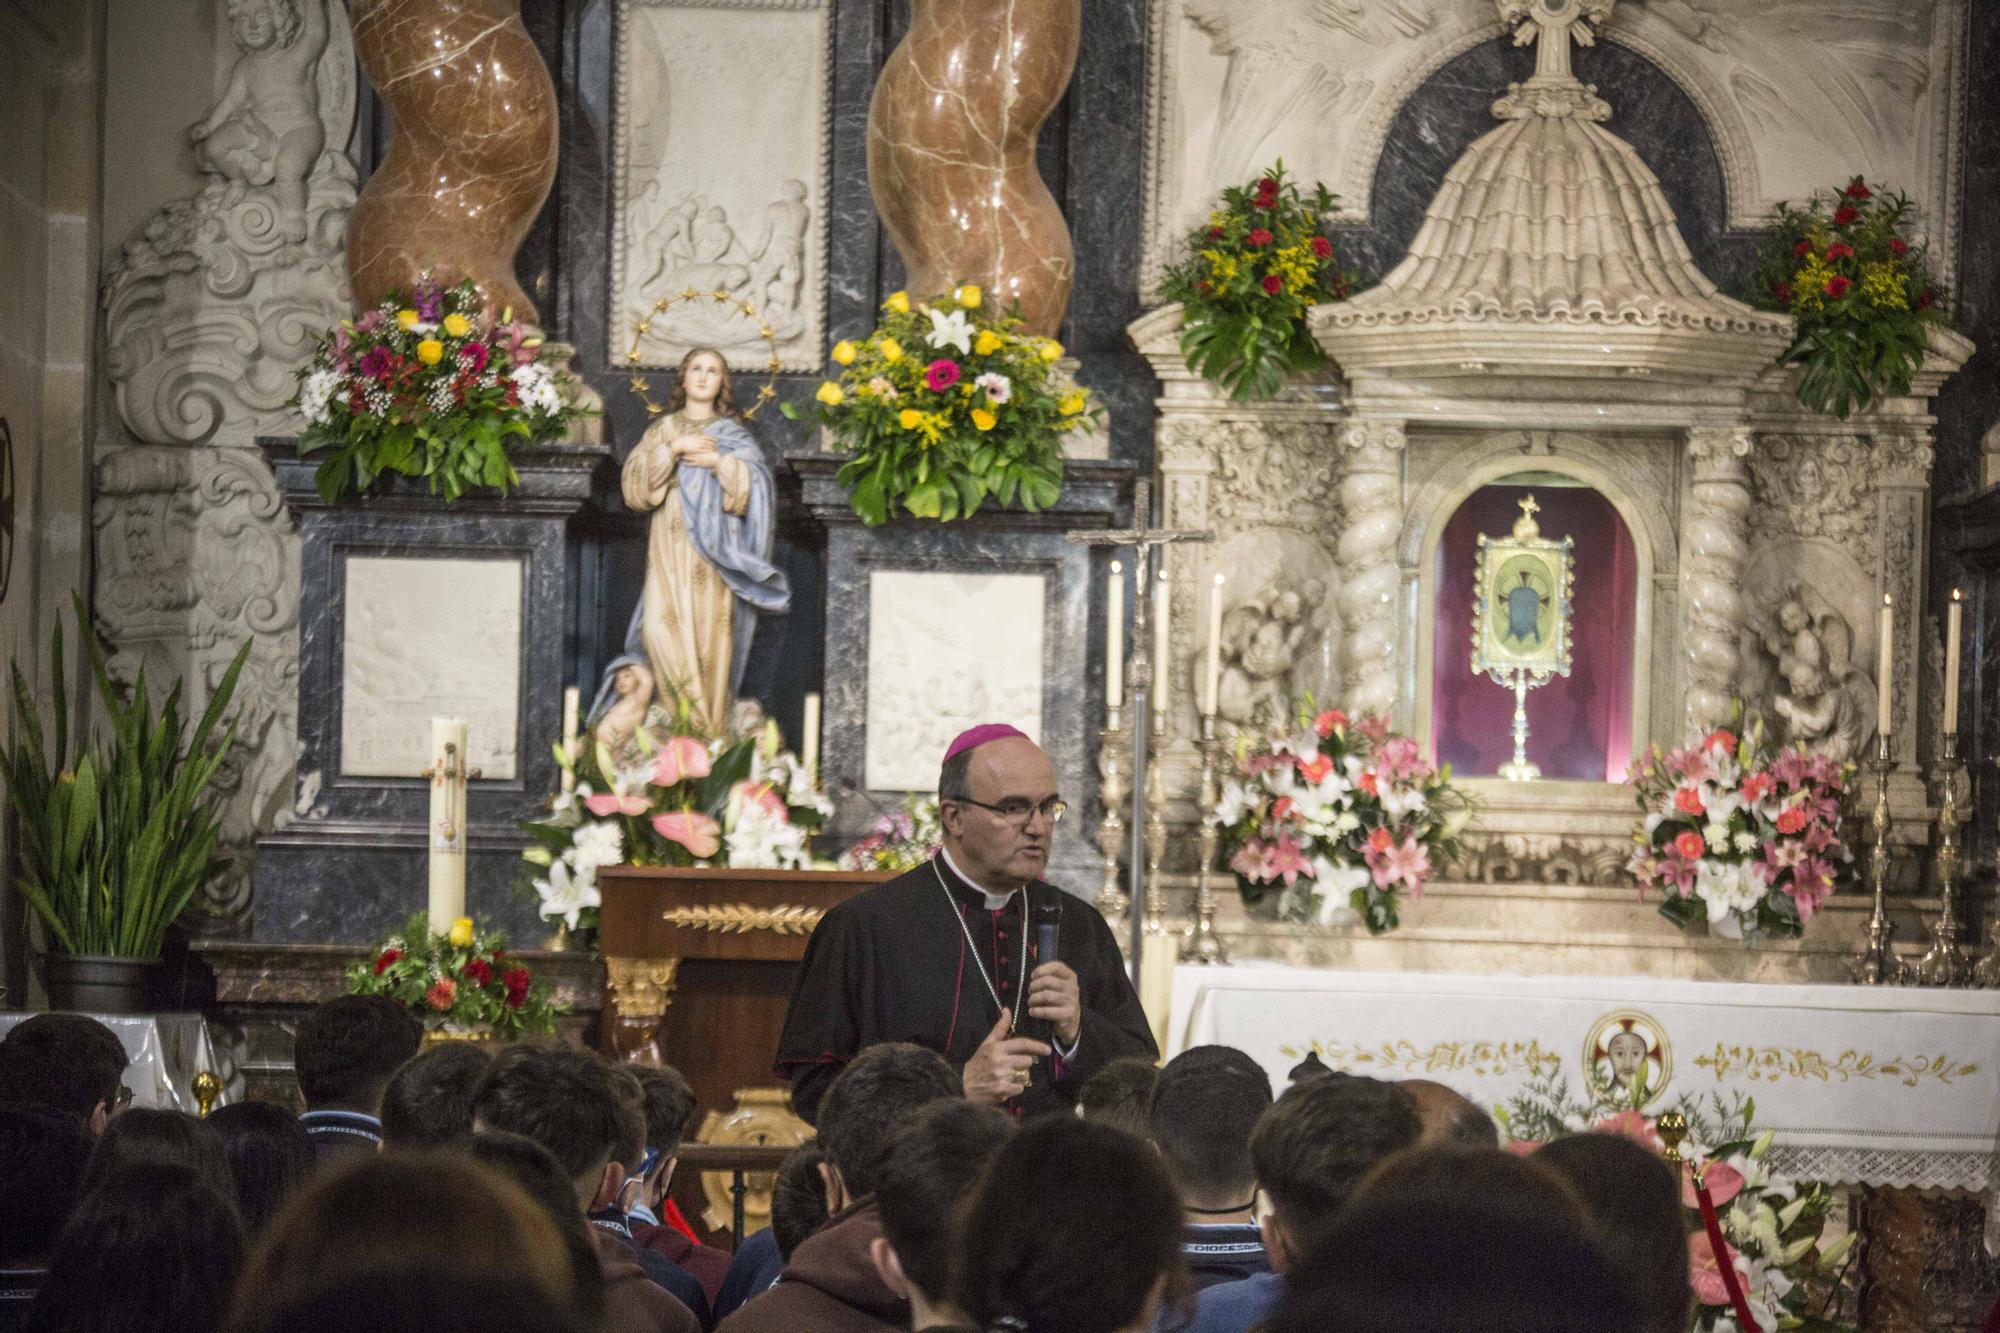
<point>1020,1078</point>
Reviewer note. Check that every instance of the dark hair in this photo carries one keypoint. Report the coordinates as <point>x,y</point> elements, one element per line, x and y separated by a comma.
<point>1310,1067</point>
<point>798,1198</point>
<point>67,1061</point>
<point>631,1146</point>
<point>1319,1139</point>
<point>669,1106</point>
<point>954,781</point>
<point>270,1155</point>
<point>1498,1248</point>
<point>425,1298</point>
<point>1071,1228</point>
<point>150,1135</point>
<point>562,1097</point>
<point>878,1088</point>
<point>535,1169</point>
<point>42,1156</point>
<point>347,1048</point>
<point>1448,1116</point>
<point>1118,1094</point>
<point>931,1161</point>
<point>1205,1103</point>
<point>1634,1205</point>
<point>428,1102</point>
<point>154,1248</point>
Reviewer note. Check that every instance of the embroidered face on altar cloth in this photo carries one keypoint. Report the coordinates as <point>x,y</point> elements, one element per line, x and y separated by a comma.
<point>1626,1057</point>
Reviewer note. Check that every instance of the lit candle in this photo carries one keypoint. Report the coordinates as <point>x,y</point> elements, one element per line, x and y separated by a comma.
<point>809,740</point>
<point>447,823</point>
<point>1162,598</point>
<point>571,702</point>
<point>1211,680</point>
<point>1885,660</point>
<point>1114,639</point>
<point>1953,614</point>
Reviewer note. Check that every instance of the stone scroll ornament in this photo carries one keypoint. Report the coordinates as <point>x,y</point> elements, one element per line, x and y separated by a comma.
<point>472,148</point>
<point>951,150</point>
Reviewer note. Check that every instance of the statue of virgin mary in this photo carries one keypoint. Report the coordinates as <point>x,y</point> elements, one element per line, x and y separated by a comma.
<point>702,476</point>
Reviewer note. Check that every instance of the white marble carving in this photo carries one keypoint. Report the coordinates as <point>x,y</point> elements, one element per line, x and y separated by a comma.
<point>1712,571</point>
<point>1371,490</point>
<point>194,555</point>
<point>1279,629</point>
<point>429,638</point>
<point>720,179</point>
<point>1805,643</point>
<point>947,651</point>
<point>209,310</point>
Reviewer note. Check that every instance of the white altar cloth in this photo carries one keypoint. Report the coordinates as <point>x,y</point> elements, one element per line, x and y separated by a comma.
<point>1885,1086</point>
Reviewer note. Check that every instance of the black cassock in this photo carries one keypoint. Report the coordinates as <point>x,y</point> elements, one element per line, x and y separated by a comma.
<point>894,964</point>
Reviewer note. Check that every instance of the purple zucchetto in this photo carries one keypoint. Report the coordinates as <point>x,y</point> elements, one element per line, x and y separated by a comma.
<point>974,737</point>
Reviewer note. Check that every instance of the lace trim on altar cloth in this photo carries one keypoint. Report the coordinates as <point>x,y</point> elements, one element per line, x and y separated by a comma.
<point>1898,1168</point>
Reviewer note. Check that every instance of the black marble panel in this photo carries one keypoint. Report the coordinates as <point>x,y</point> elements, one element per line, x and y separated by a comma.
<point>352,862</point>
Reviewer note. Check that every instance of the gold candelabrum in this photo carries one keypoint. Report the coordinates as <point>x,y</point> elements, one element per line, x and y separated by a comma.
<point>1986,972</point>
<point>1199,942</point>
<point>1156,825</point>
<point>1114,758</point>
<point>1944,964</point>
<point>1877,964</point>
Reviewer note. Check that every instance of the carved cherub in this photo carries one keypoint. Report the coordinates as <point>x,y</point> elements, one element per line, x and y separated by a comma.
<point>266,129</point>
<point>1822,701</point>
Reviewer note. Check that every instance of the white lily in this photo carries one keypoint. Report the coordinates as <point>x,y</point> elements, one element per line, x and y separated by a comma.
<point>951,330</point>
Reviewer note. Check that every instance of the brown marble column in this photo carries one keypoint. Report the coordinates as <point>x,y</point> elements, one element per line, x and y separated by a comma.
<point>472,146</point>
<point>951,150</point>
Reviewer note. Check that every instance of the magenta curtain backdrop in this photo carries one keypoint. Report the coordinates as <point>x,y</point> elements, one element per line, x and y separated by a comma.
<point>1579,726</point>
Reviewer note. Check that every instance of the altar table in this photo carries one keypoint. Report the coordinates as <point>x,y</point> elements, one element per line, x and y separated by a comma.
<point>1864,1086</point>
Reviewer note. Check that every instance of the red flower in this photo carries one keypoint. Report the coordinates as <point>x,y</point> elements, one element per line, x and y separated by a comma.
<point>1782,293</point>
<point>1381,840</point>
<point>1690,845</point>
<point>442,994</point>
<point>1259,236</point>
<point>940,375</point>
<point>1837,287</point>
<point>1273,285</point>
<point>1265,201</point>
<point>479,972</point>
<point>1839,250</point>
<point>1370,783</point>
<point>1281,809</point>
<point>1925,301</point>
<point>1267,186</point>
<point>388,957</point>
<point>1802,249</point>
<point>1791,820</point>
<point>1688,801</point>
<point>1215,233</point>
<point>1322,247</point>
<point>473,357</point>
<point>1204,287</point>
<point>517,981</point>
<point>1326,723</point>
<point>1898,247</point>
<point>1845,215</point>
<point>1316,768</point>
<point>1722,736</point>
<point>1858,191</point>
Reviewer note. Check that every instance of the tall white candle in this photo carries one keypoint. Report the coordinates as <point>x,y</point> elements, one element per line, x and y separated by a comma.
<point>1953,614</point>
<point>447,823</point>
<point>1114,637</point>
<point>809,738</point>
<point>572,701</point>
<point>1162,600</point>
<point>1211,679</point>
<point>1885,660</point>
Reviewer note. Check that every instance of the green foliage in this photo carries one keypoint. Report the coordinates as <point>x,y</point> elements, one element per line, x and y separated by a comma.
<point>1253,271</point>
<point>469,985</point>
<point>116,836</point>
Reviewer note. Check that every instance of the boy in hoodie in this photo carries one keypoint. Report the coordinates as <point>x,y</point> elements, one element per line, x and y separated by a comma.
<point>831,1284</point>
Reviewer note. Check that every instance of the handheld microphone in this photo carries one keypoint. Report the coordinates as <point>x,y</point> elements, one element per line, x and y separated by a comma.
<point>1047,918</point>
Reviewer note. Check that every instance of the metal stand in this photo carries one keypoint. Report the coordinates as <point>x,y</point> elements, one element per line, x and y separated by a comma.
<point>1877,964</point>
<point>1114,746</point>
<point>1519,769</point>
<point>1199,942</point>
<point>1945,964</point>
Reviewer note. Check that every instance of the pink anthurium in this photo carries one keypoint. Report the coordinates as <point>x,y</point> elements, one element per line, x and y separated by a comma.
<point>1724,1183</point>
<point>758,793</point>
<point>698,833</point>
<point>611,803</point>
<point>1705,1273</point>
<point>680,758</point>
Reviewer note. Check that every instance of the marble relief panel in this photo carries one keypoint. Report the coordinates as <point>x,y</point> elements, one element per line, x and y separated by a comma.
<point>720,180</point>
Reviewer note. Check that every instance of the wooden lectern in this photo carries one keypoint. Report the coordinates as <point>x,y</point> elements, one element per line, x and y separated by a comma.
<point>699,966</point>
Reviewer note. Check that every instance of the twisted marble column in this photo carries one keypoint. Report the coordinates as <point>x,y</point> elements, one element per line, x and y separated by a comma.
<point>951,150</point>
<point>1372,507</point>
<point>1712,552</point>
<point>472,147</point>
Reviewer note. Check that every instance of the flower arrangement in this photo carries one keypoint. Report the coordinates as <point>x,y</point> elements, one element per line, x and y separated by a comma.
<point>943,407</point>
<point>425,385</point>
<point>900,841</point>
<point>1774,1229</point>
<point>1846,269</point>
<point>1253,270</point>
<point>464,979</point>
<point>1343,815</point>
<point>1734,835</point>
<point>671,800</point>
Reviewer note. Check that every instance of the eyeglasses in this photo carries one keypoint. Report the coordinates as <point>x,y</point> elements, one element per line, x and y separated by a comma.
<point>1018,811</point>
<point>122,1100</point>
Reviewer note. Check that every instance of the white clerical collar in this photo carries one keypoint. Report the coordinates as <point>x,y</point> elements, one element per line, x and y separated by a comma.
<point>994,901</point>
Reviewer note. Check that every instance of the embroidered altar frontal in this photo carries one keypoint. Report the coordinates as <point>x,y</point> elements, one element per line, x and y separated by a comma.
<point>1863,1086</point>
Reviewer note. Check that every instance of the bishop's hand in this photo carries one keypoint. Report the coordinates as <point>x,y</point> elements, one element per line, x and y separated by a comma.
<point>999,1068</point>
<point>1053,994</point>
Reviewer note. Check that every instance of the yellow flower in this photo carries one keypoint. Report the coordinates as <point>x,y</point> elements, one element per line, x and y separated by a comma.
<point>830,394</point>
<point>1052,350</point>
<point>898,302</point>
<point>986,344</point>
<point>844,352</point>
<point>891,350</point>
<point>457,325</point>
<point>983,419</point>
<point>1072,403</point>
<point>407,318</point>
<point>909,418</point>
<point>461,933</point>
<point>968,296</point>
<point>430,351</point>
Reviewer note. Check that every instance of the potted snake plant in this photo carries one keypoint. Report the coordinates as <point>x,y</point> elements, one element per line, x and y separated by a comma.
<point>115,833</point>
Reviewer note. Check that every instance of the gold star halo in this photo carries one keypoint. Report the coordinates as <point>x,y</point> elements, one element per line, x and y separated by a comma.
<point>640,385</point>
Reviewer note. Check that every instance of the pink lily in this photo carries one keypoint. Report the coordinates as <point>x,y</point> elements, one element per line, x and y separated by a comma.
<point>698,833</point>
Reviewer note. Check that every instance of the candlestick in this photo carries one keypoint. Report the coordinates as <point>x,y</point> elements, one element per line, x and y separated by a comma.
<point>1114,638</point>
<point>1877,964</point>
<point>809,739</point>
<point>1199,942</point>
<point>1944,964</point>
<point>1162,599</point>
<point>1885,663</point>
<point>1114,754</point>
<point>572,701</point>
<point>1157,950</point>
<point>1211,679</point>
<point>1953,615</point>
<point>446,839</point>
